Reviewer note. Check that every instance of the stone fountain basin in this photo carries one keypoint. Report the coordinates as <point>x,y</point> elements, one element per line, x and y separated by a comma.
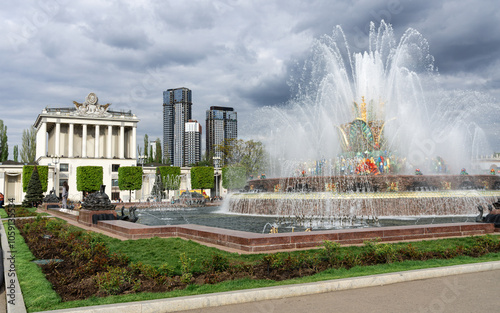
<point>408,203</point>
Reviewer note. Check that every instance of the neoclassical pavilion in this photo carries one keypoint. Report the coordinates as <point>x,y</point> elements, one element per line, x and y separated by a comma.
<point>88,134</point>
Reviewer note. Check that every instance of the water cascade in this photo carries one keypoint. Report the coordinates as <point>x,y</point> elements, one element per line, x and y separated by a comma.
<point>363,127</point>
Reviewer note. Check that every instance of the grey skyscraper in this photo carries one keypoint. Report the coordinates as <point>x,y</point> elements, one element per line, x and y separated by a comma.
<point>192,139</point>
<point>221,124</point>
<point>176,112</point>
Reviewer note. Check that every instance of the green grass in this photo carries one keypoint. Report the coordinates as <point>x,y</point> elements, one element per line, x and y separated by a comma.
<point>3,212</point>
<point>251,284</point>
<point>39,295</point>
<point>157,251</point>
<point>37,291</point>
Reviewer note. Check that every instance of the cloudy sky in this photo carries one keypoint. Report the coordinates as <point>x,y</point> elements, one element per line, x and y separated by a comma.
<point>229,53</point>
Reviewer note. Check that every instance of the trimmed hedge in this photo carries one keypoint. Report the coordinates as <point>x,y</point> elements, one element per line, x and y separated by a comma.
<point>34,195</point>
<point>202,177</point>
<point>170,177</point>
<point>43,174</point>
<point>89,178</point>
<point>234,177</point>
<point>130,177</point>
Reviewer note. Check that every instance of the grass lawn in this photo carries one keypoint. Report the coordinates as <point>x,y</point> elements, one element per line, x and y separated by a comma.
<point>39,296</point>
<point>31,211</point>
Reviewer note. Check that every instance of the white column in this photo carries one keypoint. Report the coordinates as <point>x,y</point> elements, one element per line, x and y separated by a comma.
<point>57,139</point>
<point>84,140</point>
<point>108,144</point>
<point>122,142</point>
<point>41,140</point>
<point>70,139</point>
<point>133,140</point>
<point>96,149</point>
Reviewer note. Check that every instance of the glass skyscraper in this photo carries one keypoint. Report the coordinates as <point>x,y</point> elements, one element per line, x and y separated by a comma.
<point>221,124</point>
<point>176,112</point>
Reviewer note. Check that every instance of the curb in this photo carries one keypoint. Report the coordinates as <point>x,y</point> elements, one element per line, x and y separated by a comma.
<point>280,292</point>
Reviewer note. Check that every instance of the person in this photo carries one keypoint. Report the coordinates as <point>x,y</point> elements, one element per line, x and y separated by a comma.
<point>65,195</point>
<point>1,200</point>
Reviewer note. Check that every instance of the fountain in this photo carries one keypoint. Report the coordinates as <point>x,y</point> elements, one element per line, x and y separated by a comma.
<point>348,146</point>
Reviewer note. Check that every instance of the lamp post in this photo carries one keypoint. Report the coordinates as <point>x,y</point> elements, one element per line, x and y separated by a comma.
<point>216,167</point>
<point>55,160</point>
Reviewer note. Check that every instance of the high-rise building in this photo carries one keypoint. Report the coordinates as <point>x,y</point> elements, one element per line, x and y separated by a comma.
<point>176,112</point>
<point>192,138</point>
<point>221,124</point>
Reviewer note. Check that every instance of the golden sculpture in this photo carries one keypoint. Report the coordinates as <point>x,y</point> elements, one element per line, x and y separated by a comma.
<point>362,134</point>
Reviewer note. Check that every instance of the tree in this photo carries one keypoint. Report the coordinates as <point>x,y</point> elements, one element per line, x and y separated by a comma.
<point>130,178</point>
<point>28,147</point>
<point>88,178</point>
<point>202,177</point>
<point>171,177</point>
<point>34,194</point>
<point>43,176</point>
<point>16,153</point>
<point>150,157</point>
<point>234,177</point>
<point>158,154</point>
<point>146,144</point>
<point>139,154</point>
<point>229,151</point>
<point>249,154</point>
<point>4,147</point>
<point>254,158</point>
<point>166,157</point>
<point>207,159</point>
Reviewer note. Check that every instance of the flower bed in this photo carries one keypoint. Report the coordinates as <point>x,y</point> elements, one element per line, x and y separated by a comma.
<point>89,269</point>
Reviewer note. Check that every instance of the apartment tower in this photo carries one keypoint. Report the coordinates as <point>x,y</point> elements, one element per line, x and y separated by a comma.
<point>176,113</point>
<point>221,124</point>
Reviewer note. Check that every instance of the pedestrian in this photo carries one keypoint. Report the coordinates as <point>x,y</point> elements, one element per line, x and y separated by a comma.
<point>1,200</point>
<point>65,195</point>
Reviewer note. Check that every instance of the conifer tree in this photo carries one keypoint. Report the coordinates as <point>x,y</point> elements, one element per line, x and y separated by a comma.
<point>4,147</point>
<point>34,193</point>
<point>16,153</point>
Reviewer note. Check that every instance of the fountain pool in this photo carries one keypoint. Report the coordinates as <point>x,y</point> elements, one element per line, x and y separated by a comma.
<point>217,217</point>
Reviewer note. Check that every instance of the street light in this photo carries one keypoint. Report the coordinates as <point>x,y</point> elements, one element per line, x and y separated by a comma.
<point>55,160</point>
<point>216,166</point>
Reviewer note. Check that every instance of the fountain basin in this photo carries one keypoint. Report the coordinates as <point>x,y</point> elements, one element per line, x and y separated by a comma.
<point>252,242</point>
<point>346,183</point>
<point>410,203</point>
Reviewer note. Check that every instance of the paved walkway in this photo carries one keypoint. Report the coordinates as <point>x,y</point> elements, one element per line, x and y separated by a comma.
<point>474,292</point>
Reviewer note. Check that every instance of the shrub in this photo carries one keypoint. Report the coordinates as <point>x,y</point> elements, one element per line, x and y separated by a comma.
<point>273,261</point>
<point>112,281</point>
<point>186,268</point>
<point>217,263</point>
<point>43,174</point>
<point>386,253</point>
<point>130,178</point>
<point>331,252</point>
<point>89,178</point>
<point>34,194</point>
<point>202,177</point>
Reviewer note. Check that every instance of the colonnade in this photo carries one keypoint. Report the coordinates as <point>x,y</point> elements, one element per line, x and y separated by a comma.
<point>86,140</point>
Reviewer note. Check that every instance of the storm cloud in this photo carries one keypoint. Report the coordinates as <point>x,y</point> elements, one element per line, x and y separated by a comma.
<point>233,53</point>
